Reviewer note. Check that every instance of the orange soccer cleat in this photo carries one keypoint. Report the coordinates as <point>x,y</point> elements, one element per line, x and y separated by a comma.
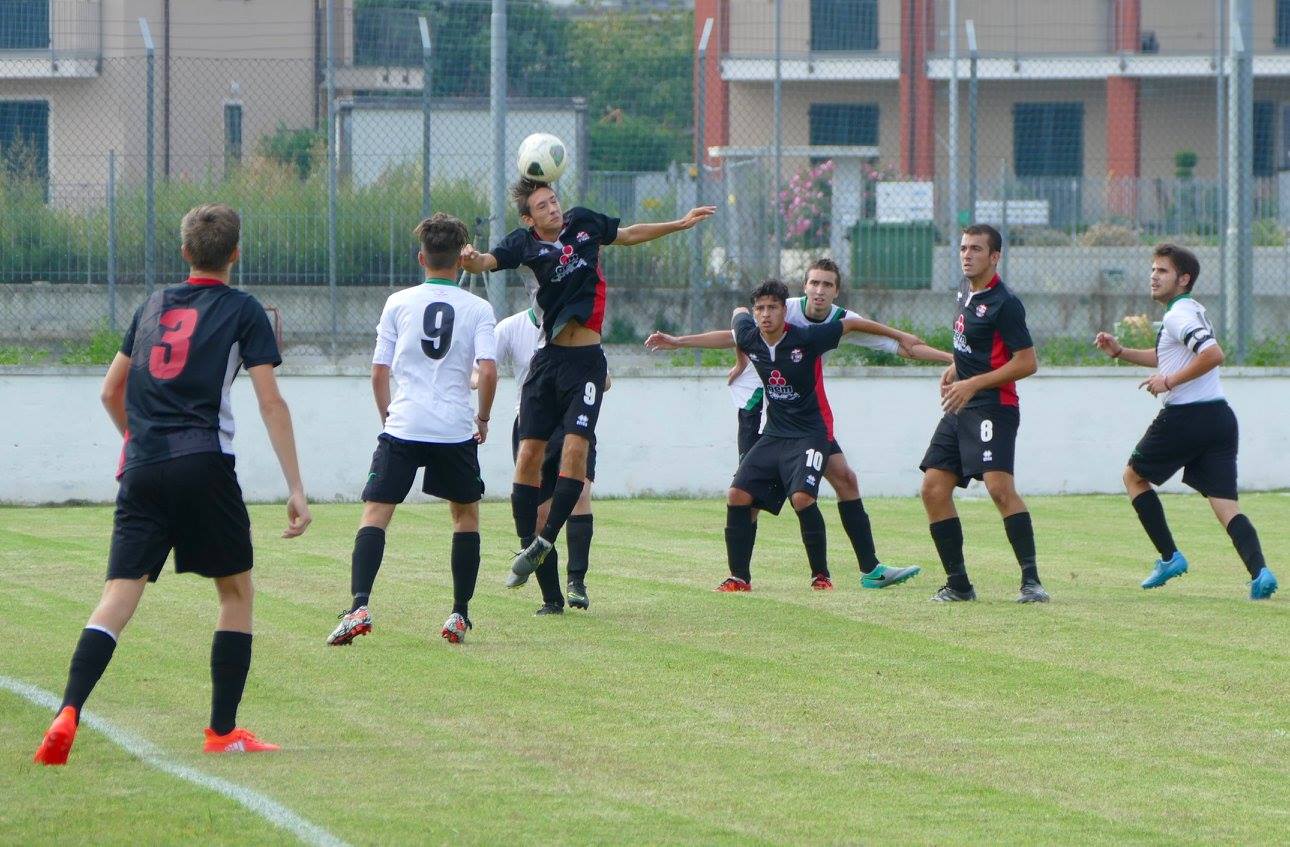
<point>237,741</point>
<point>58,739</point>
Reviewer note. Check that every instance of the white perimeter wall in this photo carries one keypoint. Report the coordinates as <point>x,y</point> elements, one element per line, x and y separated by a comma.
<point>659,434</point>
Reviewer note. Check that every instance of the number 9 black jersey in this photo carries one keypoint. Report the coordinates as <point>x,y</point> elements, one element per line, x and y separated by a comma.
<point>792,374</point>
<point>185,345</point>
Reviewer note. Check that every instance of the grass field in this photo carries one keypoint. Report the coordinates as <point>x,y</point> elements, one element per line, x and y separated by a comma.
<point>668,713</point>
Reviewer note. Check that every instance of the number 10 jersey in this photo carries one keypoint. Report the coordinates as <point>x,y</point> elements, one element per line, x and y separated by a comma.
<point>430,337</point>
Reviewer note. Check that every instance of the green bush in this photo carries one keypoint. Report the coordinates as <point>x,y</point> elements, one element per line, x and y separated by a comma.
<point>100,349</point>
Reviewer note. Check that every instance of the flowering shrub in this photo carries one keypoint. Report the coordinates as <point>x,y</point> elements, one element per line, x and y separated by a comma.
<point>804,206</point>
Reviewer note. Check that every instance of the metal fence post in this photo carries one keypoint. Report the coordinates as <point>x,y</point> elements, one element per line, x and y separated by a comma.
<point>150,215</point>
<point>952,170</point>
<point>111,238</point>
<point>700,155</point>
<point>777,217</point>
<point>1220,144</point>
<point>331,170</point>
<point>425,116</point>
<point>1007,247</point>
<point>1240,167</point>
<point>495,286</point>
<point>970,26</point>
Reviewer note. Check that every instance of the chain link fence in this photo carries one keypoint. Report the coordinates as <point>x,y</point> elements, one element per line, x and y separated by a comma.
<point>869,131</point>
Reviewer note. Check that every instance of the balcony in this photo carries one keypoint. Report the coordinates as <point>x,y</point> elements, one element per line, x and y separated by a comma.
<point>51,39</point>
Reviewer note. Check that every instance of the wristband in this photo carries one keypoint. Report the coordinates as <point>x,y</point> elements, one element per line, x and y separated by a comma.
<point>482,420</point>
<point>1118,353</point>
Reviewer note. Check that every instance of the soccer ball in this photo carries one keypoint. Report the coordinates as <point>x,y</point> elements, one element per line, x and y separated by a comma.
<point>542,157</point>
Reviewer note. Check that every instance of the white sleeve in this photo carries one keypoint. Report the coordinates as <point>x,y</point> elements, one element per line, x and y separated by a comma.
<point>1189,328</point>
<point>387,335</point>
<point>502,335</point>
<point>485,338</point>
<point>873,342</point>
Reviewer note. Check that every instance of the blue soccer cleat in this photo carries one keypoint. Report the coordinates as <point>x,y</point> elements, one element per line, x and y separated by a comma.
<point>1165,571</point>
<point>1264,585</point>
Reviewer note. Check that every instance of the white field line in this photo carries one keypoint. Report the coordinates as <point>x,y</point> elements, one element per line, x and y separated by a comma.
<point>147,752</point>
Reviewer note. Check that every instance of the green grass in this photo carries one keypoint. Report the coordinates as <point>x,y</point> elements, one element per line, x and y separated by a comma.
<point>669,714</point>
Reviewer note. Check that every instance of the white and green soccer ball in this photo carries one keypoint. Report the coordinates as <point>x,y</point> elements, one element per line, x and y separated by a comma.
<point>542,157</point>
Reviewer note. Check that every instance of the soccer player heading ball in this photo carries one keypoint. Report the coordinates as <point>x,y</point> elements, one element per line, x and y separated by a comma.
<point>1195,430</point>
<point>567,375</point>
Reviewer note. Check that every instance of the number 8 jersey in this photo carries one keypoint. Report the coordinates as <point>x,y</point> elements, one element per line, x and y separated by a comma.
<point>430,337</point>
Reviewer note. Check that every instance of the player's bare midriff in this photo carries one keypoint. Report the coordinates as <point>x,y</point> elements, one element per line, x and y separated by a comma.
<point>574,334</point>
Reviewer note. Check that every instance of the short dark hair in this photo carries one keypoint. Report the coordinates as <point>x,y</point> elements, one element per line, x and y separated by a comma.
<point>523,190</point>
<point>996,240</point>
<point>1183,260</point>
<point>210,233</point>
<point>442,236</point>
<point>825,265</point>
<point>770,288</point>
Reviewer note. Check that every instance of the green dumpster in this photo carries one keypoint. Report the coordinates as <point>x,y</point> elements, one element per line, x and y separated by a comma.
<point>892,255</point>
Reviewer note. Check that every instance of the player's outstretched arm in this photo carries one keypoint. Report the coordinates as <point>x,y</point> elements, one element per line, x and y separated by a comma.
<point>475,262</point>
<point>718,339</point>
<point>381,390</point>
<point>1110,345</point>
<point>640,233</point>
<point>277,420</point>
<point>956,394</point>
<point>113,392</point>
<point>487,384</point>
<point>924,352</point>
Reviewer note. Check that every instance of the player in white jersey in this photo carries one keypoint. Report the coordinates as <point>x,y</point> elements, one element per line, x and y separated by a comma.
<point>429,339</point>
<point>1196,430</point>
<point>518,338</point>
<point>817,306</point>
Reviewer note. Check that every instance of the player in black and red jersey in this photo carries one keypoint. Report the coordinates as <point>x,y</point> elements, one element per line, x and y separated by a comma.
<point>787,461</point>
<point>977,437</point>
<point>567,374</point>
<point>167,391</point>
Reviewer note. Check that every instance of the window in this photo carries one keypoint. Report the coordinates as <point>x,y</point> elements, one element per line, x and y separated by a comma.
<point>24,138</point>
<point>844,25</point>
<point>389,38</point>
<point>232,134</point>
<point>844,123</point>
<point>24,25</point>
<point>1265,137</point>
<point>1281,38</point>
<point>1048,139</point>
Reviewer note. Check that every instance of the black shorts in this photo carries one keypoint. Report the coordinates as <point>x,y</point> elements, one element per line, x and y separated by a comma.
<point>551,461</point>
<point>452,470</point>
<point>192,505</point>
<point>1199,438</point>
<point>749,430</point>
<point>835,448</point>
<point>563,390</point>
<point>974,441</point>
<point>776,468</point>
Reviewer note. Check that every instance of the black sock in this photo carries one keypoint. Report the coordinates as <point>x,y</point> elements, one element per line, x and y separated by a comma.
<point>855,520</point>
<point>814,540</point>
<point>89,660</point>
<point>740,533</point>
<point>369,549</point>
<point>525,500</point>
<point>230,661</point>
<point>563,501</point>
<point>1152,514</point>
<point>548,579</point>
<point>465,570</point>
<point>1246,542</point>
<point>578,537</point>
<point>947,535</point>
<point>1021,535</point>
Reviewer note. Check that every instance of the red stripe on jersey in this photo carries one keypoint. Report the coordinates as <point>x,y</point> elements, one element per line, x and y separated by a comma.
<point>204,280</point>
<point>999,356</point>
<point>597,319</point>
<point>822,399</point>
<point>120,465</point>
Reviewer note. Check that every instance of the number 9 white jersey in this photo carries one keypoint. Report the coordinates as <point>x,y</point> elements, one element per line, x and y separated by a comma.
<point>431,336</point>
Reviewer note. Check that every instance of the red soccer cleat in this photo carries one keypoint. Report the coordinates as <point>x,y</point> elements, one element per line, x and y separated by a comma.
<point>237,741</point>
<point>821,582</point>
<point>733,583</point>
<point>58,739</point>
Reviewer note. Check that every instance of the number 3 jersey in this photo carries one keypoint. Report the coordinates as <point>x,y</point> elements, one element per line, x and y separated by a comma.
<point>185,345</point>
<point>430,337</point>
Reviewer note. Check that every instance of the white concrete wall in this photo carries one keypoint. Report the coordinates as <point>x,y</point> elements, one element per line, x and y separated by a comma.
<point>659,434</point>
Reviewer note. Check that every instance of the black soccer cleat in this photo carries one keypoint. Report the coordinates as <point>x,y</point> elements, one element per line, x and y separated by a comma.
<point>550,609</point>
<point>953,595</point>
<point>577,595</point>
<point>1032,592</point>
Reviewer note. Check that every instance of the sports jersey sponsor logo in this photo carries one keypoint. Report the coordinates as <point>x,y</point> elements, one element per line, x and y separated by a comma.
<point>981,310</point>
<point>566,254</point>
<point>960,341</point>
<point>569,262</point>
<point>987,456</point>
<point>777,388</point>
<point>810,479</point>
<point>796,355</point>
<point>582,420</point>
<point>543,251</point>
<point>582,236</point>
